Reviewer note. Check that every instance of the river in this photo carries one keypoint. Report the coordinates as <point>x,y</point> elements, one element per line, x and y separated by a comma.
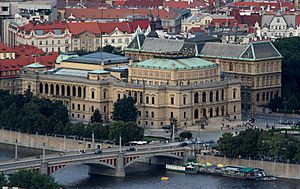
<point>76,177</point>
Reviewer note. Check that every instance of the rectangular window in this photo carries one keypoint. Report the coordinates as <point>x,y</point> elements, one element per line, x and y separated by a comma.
<point>58,41</point>
<point>153,100</point>
<point>147,100</point>
<point>172,100</point>
<point>119,40</point>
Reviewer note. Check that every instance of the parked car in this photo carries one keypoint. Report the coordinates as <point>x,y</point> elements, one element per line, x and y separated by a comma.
<point>98,151</point>
<point>131,149</point>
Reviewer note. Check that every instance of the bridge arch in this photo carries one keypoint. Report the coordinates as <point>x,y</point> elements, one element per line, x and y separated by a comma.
<point>163,155</point>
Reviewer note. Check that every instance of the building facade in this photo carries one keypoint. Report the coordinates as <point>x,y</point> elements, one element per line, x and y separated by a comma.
<point>257,65</point>
<point>278,26</point>
<point>189,89</point>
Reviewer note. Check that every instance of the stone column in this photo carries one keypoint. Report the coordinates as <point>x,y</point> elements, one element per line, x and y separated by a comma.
<point>120,170</point>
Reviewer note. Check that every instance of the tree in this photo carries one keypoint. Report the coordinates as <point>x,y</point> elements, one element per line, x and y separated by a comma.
<point>129,131</point>
<point>290,50</point>
<point>32,180</point>
<point>2,180</point>
<point>276,103</point>
<point>125,110</point>
<point>293,103</point>
<point>97,117</point>
<point>226,144</point>
<point>186,134</point>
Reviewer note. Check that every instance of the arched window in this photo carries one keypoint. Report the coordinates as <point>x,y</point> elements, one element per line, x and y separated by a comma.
<point>234,108</point>
<point>196,114</point>
<point>172,101</point>
<point>217,95</point>
<point>204,97</point>
<point>46,88</point>
<point>196,97</point>
<point>104,94</point>
<point>141,98</point>
<point>73,91</point>
<point>211,96</point>
<point>211,112</point>
<point>68,91</point>
<point>57,89</point>
<point>63,92</point>
<point>222,110</point>
<point>79,91</point>
<point>222,94</point>
<point>217,111</point>
<point>230,67</point>
<point>84,92</point>
<point>51,89</point>
<point>41,88</point>
<point>234,94</point>
<point>135,96</point>
<point>204,112</point>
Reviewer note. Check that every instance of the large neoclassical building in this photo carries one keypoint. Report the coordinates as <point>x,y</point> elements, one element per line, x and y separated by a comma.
<point>187,88</point>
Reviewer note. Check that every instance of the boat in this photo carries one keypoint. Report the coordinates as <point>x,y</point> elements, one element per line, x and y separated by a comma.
<point>241,172</point>
<point>164,178</point>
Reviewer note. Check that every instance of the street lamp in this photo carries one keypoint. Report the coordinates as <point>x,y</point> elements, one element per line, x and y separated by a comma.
<point>44,151</point>
<point>16,149</point>
<point>172,123</point>
<point>284,103</point>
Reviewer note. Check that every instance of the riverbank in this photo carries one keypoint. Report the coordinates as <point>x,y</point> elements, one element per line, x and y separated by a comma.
<point>23,152</point>
<point>280,170</point>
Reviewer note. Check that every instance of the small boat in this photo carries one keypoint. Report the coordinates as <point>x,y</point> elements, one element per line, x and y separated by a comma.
<point>164,178</point>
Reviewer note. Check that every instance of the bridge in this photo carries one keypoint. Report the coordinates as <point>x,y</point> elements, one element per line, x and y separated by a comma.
<point>112,162</point>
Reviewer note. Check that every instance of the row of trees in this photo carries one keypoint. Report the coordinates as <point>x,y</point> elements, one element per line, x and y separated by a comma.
<point>31,114</point>
<point>290,50</point>
<point>257,143</point>
<point>29,180</point>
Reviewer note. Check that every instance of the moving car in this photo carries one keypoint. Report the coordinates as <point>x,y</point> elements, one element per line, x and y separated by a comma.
<point>98,151</point>
<point>131,149</point>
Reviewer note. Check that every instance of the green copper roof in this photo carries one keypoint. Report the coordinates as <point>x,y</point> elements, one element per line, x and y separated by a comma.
<point>63,57</point>
<point>176,64</point>
<point>99,72</point>
<point>35,65</point>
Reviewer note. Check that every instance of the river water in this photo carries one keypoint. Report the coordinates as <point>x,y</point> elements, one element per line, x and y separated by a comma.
<point>77,177</point>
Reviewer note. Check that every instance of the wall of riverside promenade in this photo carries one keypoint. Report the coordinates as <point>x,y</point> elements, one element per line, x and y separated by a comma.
<point>281,170</point>
<point>54,143</point>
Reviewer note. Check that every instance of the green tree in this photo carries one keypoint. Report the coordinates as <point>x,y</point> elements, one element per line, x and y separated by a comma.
<point>290,50</point>
<point>226,143</point>
<point>129,131</point>
<point>97,117</point>
<point>293,103</point>
<point>125,110</point>
<point>186,134</point>
<point>32,180</point>
<point>2,180</point>
<point>276,103</point>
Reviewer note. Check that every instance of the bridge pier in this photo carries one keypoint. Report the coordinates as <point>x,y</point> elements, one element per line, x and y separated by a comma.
<point>120,169</point>
<point>44,167</point>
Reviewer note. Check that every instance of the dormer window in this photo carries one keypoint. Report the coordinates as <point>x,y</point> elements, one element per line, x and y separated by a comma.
<point>278,20</point>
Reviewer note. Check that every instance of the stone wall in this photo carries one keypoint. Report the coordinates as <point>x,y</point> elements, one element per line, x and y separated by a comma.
<point>281,170</point>
<point>51,142</point>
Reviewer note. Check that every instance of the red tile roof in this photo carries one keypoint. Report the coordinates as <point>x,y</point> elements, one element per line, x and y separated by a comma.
<point>5,49</point>
<point>176,4</point>
<point>117,13</point>
<point>78,28</point>
<point>61,4</point>
<point>27,50</point>
<point>144,3</point>
<point>274,5</point>
<point>128,27</point>
<point>223,22</point>
<point>18,64</point>
<point>46,27</point>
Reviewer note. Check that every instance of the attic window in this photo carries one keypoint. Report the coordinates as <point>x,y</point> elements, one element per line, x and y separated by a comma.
<point>278,20</point>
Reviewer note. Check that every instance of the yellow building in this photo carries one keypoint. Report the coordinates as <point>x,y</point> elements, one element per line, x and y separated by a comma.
<point>257,65</point>
<point>187,88</point>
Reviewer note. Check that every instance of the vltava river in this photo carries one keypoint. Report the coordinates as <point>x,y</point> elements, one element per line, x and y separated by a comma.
<point>77,177</point>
